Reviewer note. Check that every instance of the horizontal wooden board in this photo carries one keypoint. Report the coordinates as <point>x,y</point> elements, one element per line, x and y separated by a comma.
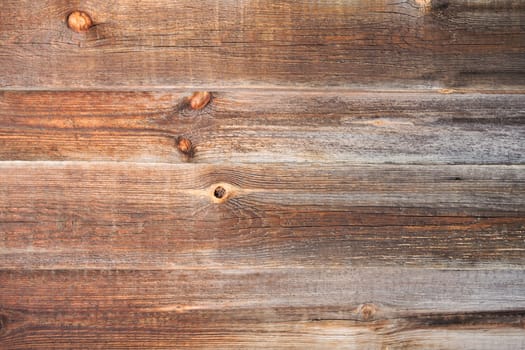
<point>283,308</point>
<point>251,126</point>
<point>357,180</point>
<point>161,216</point>
<point>162,43</point>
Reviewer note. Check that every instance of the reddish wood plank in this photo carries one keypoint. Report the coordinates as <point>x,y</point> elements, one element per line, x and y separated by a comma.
<point>416,43</point>
<point>142,216</point>
<point>252,126</point>
<point>279,308</point>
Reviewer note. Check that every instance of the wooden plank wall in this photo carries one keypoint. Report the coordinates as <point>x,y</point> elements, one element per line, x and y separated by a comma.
<point>355,181</point>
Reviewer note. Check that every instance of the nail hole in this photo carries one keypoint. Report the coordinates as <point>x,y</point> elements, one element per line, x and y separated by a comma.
<point>79,21</point>
<point>219,192</point>
<point>455,178</point>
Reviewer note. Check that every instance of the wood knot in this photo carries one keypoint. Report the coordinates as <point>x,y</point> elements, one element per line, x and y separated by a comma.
<point>185,146</point>
<point>432,6</point>
<point>367,312</point>
<point>440,5</point>
<point>221,192</point>
<point>79,21</point>
<point>199,100</point>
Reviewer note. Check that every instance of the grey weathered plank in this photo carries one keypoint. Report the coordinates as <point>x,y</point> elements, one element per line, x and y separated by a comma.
<point>251,126</point>
<point>159,43</point>
<point>155,216</point>
<point>282,308</point>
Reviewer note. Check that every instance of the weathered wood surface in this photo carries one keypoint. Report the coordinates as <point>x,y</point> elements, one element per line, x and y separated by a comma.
<point>357,180</point>
<point>160,216</point>
<point>160,43</point>
<point>282,308</point>
<point>251,126</point>
<point>111,238</point>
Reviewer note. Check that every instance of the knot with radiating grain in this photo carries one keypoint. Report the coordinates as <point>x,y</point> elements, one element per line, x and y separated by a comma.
<point>185,146</point>
<point>79,21</point>
<point>199,100</point>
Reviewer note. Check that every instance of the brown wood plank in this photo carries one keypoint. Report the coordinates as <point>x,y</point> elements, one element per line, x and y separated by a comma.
<point>159,43</point>
<point>160,216</point>
<point>251,126</point>
<point>356,181</point>
<point>280,308</point>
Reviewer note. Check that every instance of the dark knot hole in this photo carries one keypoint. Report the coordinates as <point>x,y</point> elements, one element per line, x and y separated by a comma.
<point>219,192</point>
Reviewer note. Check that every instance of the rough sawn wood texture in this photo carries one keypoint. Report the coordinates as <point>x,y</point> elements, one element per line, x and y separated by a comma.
<point>360,43</point>
<point>262,174</point>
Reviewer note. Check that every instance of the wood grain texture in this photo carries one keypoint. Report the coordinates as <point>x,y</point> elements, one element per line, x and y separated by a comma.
<point>159,216</point>
<point>283,308</point>
<point>252,126</point>
<point>162,43</point>
<point>355,180</point>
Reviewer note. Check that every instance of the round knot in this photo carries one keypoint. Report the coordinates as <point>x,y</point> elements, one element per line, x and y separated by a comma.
<point>367,312</point>
<point>185,146</point>
<point>79,21</point>
<point>219,192</point>
<point>199,100</point>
